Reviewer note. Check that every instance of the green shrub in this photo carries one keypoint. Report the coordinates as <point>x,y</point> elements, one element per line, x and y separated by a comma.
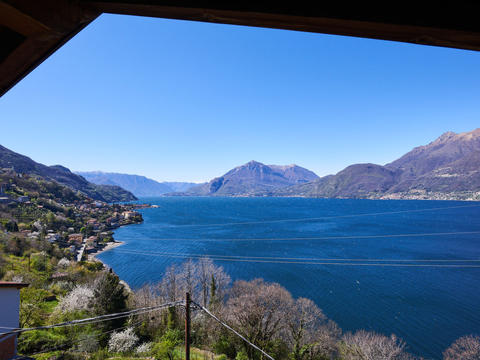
<point>224,345</point>
<point>165,349</point>
<point>101,354</point>
<point>39,261</point>
<point>39,340</point>
<point>242,355</point>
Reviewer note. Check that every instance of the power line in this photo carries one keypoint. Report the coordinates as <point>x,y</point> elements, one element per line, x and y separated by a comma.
<point>336,263</point>
<point>299,259</point>
<point>97,319</point>
<point>320,237</point>
<point>325,217</point>
<point>232,330</point>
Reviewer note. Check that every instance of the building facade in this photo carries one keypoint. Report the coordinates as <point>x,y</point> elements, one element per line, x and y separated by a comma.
<point>9,317</point>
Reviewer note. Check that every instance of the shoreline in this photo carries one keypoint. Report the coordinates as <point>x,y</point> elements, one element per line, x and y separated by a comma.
<point>110,245</point>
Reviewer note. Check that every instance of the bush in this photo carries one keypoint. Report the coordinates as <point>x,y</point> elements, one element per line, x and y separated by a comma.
<point>143,349</point>
<point>79,298</point>
<point>370,345</point>
<point>122,341</point>
<point>39,340</point>
<point>465,348</point>
<point>93,265</point>
<point>63,263</point>
<point>242,355</point>
<point>165,349</point>
<point>89,344</point>
<point>39,261</point>
<point>101,354</point>
<point>32,309</point>
<point>225,345</point>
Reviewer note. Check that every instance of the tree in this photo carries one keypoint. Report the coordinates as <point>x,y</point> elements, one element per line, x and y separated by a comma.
<point>170,291</point>
<point>258,308</point>
<point>169,284</point>
<point>3,265</point>
<point>213,292</point>
<point>187,278</point>
<point>465,348</point>
<point>365,345</point>
<point>210,278</point>
<point>80,298</point>
<point>196,278</point>
<point>16,246</point>
<point>309,333</point>
<point>152,323</point>
<point>32,311</point>
<point>109,297</point>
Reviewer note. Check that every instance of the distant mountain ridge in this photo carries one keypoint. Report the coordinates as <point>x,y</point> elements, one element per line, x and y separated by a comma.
<point>137,184</point>
<point>446,168</point>
<point>251,178</point>
<point>62,175</point>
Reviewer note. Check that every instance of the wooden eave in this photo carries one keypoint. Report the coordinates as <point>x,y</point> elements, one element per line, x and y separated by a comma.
<point>31,30</point>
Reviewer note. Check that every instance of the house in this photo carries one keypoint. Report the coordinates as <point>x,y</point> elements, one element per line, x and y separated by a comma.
<point>33,235</point>
<point>90,249</point>
<point>129,214</point>
<point>75,239</point>
<point>9,317</point>
<point>51,238</point>
<point>5,200</point>
<point>23,199</point>
<point>93,223</point>
<point>92,241</point>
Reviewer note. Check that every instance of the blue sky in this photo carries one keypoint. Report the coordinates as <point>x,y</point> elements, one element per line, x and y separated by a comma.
<point>187,101</point>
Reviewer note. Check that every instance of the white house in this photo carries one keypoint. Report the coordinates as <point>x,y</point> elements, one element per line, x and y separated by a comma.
<point>9,317</point>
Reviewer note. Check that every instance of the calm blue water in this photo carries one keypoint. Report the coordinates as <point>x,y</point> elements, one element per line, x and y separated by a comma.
<point>429,307</point>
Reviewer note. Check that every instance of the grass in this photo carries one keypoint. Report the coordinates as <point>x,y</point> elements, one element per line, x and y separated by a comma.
<point>195,354</point>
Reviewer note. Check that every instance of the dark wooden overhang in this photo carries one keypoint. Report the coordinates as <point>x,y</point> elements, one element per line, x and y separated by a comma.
<point>12,284</point>
<point>31,30</point>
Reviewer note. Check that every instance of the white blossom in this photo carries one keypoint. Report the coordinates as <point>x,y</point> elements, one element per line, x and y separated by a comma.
<point>143,348</point>
<point>63,263</point>
<point>122,341</point>
<point>78,299</point>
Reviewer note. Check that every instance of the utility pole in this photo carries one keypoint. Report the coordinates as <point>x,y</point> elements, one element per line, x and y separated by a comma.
<point>187,326</point>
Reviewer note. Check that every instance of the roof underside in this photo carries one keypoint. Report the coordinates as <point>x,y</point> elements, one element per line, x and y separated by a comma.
<point>31,30</point>
<point>10,284</point>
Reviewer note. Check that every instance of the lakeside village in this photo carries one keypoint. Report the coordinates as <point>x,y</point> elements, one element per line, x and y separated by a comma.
<point>33,209</point>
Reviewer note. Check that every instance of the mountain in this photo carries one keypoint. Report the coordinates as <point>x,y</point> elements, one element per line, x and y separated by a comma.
<point>447,168</point>
<point>25,165</point>
<point>138,185</point>
<point>179,186</point>
<point>251,178</point>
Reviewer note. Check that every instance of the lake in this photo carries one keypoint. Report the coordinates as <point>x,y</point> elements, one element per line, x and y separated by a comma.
<point>411,268</point>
